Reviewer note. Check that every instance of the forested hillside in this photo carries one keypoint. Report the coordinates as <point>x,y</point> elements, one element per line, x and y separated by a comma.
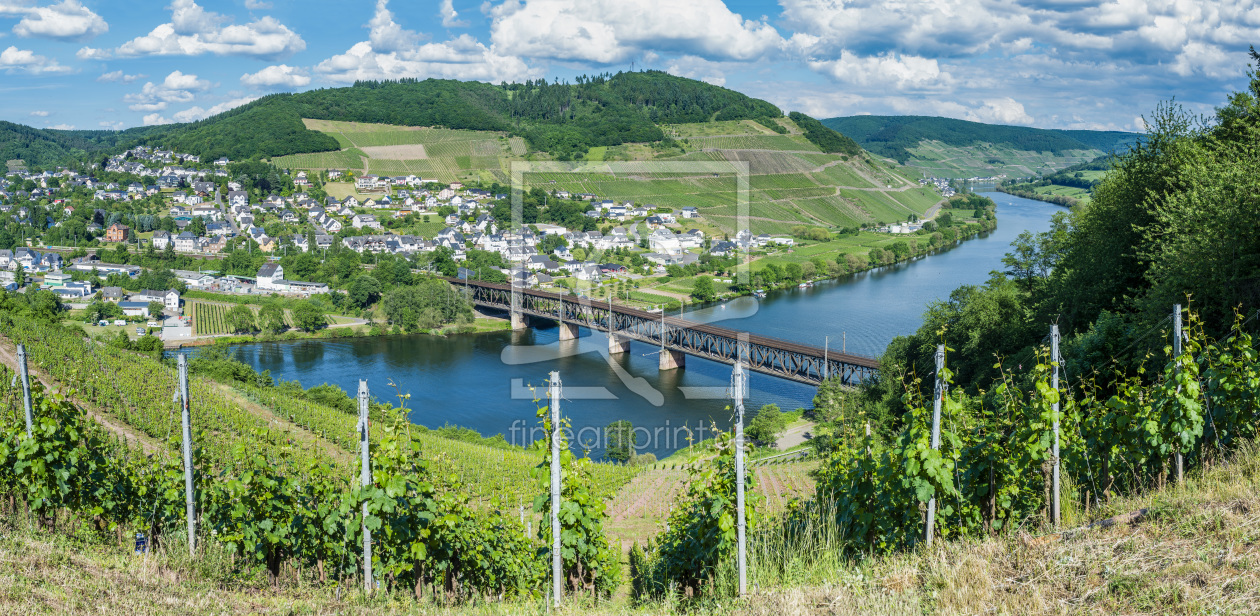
<point>896,136</point>
<point>38,147</point>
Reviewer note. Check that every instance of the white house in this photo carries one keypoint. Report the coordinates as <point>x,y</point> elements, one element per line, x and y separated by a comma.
<point>360,221</point>
<point>268,274</point>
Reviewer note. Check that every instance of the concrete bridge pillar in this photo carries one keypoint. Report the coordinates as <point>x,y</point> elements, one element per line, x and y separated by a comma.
<point>618,344</point>
<point>671,360</point>
<point>519,320</point>
<point>568,331</point>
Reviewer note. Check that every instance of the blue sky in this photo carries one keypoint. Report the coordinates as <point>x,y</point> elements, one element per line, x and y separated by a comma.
<point>89,64</point>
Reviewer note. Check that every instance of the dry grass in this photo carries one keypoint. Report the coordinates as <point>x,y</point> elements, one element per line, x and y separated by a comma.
<point>1195,551</point>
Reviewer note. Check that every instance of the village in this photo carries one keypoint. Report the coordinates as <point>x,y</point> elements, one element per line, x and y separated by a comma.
<point>199,211</point>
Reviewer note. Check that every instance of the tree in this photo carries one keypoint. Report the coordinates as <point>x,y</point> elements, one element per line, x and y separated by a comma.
<point>308,316</point>
<point>877,256</point>
<point>426,305</point>
<point>364,291</point>
<point>46,305</point>
<point>271,318</point>
<point>19,277</point>
<point>620,441</point>
<point>767,424</point>
<point>793,272</point>
<point>102,311</point>
<point>240,319</point>
<point>702,289</point>
<point>155,309</point>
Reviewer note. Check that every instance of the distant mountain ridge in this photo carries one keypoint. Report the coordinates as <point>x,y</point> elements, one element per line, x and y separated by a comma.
<point>895,136</point>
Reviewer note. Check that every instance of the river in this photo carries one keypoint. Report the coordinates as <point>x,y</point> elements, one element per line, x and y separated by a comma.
<point>482,381</point>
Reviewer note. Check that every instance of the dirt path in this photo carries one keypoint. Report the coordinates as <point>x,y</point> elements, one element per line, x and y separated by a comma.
<point>793,436</point>
<point>331,449</point>
<point>8,355</point>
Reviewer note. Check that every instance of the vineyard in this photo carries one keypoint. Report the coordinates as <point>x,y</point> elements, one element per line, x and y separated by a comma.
<point>443,513</point>
<point>792,182</point>
<point>267,492</point>
<point>210,318</point>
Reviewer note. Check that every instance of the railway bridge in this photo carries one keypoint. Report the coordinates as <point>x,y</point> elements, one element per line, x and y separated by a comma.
<point>676,337</point>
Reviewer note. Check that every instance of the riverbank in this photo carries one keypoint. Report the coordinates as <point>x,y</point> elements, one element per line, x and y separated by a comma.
<point>1066,196</point>
<point>818,262</point>
<point>481,324</point>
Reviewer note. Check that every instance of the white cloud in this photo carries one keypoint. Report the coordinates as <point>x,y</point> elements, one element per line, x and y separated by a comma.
<point>195,113</point>
<point>916,27</point>
<point>1204,58</point>
<point>901,72</point>
<point>118,75</point>
<point>608,31</point>
<point>178,87</point>
<point>386,35</point>
<point>1002,111</point>
<point>13,59</point>
<point>62,126</point>
<point>257,5</point>
<point>393,52</point>
<point>450,18</point>
<point>116,125</point>
<point>278,75</point>
<point>194,31</point>
<point>66,21</point>
<point>89,53</point>
<point>154,119</point>
<point>40,114</point>
<point>693,67</point>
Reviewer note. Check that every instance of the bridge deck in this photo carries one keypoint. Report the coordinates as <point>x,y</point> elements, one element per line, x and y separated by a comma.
<point>804,362</point>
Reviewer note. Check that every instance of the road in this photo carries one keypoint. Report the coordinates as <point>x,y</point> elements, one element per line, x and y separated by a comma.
<point>794,435</point>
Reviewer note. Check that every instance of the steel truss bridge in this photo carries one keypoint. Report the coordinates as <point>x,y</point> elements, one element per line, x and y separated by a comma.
<point>781,358</point>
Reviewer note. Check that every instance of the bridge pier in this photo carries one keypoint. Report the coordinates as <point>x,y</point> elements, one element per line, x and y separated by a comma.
<point>519,320</point>
<point>671,360</point>
<point>568,331</point>
<point>618,344</point>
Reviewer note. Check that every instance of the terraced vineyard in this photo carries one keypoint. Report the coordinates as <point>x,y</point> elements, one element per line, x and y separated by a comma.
<point>791,182</point>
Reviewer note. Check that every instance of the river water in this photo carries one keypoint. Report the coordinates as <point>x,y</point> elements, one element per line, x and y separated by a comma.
<point>483,381</point>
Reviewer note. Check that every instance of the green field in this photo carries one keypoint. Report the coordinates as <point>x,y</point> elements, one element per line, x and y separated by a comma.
<point>791,182</point>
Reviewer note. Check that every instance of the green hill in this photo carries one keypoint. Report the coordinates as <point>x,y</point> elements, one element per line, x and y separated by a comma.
<point>42,147</point>
<point>564,120</point>
<point>957,148</point>
<point>792,180</point>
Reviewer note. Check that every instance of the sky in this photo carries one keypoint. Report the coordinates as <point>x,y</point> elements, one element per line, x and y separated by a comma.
<point>92,64</point>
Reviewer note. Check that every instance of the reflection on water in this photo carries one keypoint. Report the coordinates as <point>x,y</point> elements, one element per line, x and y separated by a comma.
<point>467,380</point>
